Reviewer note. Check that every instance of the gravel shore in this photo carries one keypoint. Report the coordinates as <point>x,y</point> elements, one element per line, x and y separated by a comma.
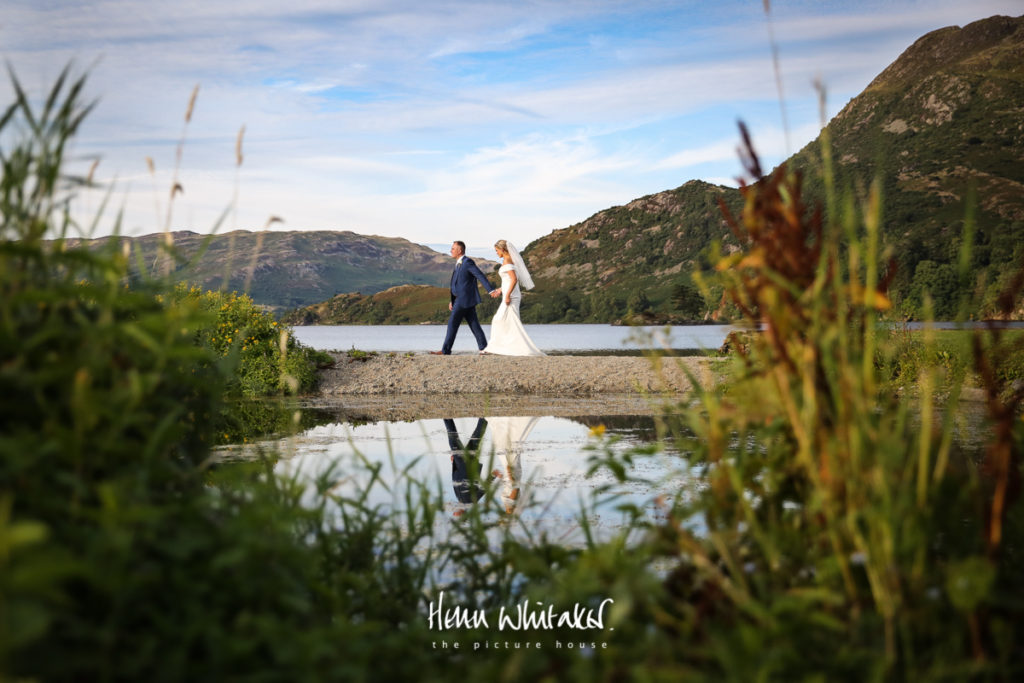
<point>562,376</point>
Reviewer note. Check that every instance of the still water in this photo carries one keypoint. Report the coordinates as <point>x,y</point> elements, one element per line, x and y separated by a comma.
<point>535,469</point>
<point>550,338</point>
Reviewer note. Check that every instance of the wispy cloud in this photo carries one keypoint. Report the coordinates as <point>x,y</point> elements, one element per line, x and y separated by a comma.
<point>769,142</point>
<point>412,118</point>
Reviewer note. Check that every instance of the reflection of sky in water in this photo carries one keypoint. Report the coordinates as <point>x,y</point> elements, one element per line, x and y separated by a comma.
<point>553,460</point>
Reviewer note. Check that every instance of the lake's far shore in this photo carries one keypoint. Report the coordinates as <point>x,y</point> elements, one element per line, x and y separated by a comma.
<point>469,373</point>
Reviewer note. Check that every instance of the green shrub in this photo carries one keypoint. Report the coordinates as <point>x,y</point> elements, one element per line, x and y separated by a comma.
<point>355,354</point>
<point>909,353</point>
<point>268,360</point>
<point>906,354</point>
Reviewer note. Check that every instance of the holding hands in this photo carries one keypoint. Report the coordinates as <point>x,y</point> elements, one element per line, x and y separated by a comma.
<point>495,293</point>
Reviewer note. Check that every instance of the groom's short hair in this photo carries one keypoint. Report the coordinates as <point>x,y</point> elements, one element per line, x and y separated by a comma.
<point>462,245</point>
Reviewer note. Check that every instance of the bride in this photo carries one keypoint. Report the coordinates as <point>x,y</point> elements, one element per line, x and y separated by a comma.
<point>508,338</point>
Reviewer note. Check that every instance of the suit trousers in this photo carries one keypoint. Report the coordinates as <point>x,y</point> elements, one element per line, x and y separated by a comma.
<point>455,319</point>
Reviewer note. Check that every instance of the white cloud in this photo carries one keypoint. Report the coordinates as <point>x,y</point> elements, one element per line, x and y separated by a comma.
<point>717,151</point>
<point>414,118</point>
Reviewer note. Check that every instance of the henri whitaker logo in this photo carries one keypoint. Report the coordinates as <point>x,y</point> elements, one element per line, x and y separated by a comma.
<point>525,616</point>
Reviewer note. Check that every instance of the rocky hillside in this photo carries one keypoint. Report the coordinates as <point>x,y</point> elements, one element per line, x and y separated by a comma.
<point>627,258</point>
<point>588,271</point>
<point>942,126</point>
<point>397,305</point>
<point>291,269</point>
<point>943,123</point>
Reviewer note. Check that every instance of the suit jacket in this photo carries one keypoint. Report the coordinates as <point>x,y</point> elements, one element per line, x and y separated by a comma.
<point>464,291</point>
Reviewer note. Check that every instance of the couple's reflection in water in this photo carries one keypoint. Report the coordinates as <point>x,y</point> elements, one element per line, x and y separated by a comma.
<point>507,437</point>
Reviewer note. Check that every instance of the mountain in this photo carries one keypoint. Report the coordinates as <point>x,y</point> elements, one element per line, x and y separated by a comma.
<point>396,305</point>
<point>941,124</point>
<point>291,269</point>
<point>627,258</point>
<point>588,271</point>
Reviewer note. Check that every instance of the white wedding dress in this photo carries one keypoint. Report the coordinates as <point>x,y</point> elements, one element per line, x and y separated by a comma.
<point>508,337</point>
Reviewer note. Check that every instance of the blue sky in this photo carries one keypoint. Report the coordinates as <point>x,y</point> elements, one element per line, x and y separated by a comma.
<point>442,120</point>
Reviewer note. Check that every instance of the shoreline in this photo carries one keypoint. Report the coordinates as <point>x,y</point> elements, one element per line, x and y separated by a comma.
<point>469,373</point>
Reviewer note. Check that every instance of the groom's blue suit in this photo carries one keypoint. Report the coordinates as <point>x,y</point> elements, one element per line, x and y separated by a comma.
<point>465,297</point>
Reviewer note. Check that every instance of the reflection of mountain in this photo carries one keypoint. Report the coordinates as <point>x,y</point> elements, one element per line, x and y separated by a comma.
<point>410,407</point>
<point>505,429</point>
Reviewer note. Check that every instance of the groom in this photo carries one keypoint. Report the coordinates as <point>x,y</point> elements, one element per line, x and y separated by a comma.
<point>465,297</point>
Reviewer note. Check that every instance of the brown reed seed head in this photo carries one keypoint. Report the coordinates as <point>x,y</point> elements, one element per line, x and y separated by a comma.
<point>191,103</point>
<point>781,243</point>
<point>238,146</point>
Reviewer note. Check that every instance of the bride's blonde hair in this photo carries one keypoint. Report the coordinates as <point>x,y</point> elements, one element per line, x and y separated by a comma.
<point>501,244</point>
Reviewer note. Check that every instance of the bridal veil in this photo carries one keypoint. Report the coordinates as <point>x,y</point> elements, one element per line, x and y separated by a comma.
<point>525,281</point>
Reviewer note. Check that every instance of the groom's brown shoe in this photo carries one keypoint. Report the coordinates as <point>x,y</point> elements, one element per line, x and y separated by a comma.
<point>437,353</point>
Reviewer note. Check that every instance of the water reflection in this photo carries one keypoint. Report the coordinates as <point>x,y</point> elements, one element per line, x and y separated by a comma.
<point>467,488</point>
<point>509,435</point>
<point>527,461</point>
<point>534,469</point>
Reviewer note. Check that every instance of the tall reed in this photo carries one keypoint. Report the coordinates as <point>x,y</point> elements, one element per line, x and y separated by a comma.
<point>844,526</point>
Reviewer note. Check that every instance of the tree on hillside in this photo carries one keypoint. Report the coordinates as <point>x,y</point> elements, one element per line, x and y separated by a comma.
<point>938,280</point>
<point>638,302</point>
<point>379,312</point>
<point>687,299</point>
<point>605,307</point>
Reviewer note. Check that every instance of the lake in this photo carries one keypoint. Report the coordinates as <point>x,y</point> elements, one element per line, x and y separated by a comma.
<point>550,338</point>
